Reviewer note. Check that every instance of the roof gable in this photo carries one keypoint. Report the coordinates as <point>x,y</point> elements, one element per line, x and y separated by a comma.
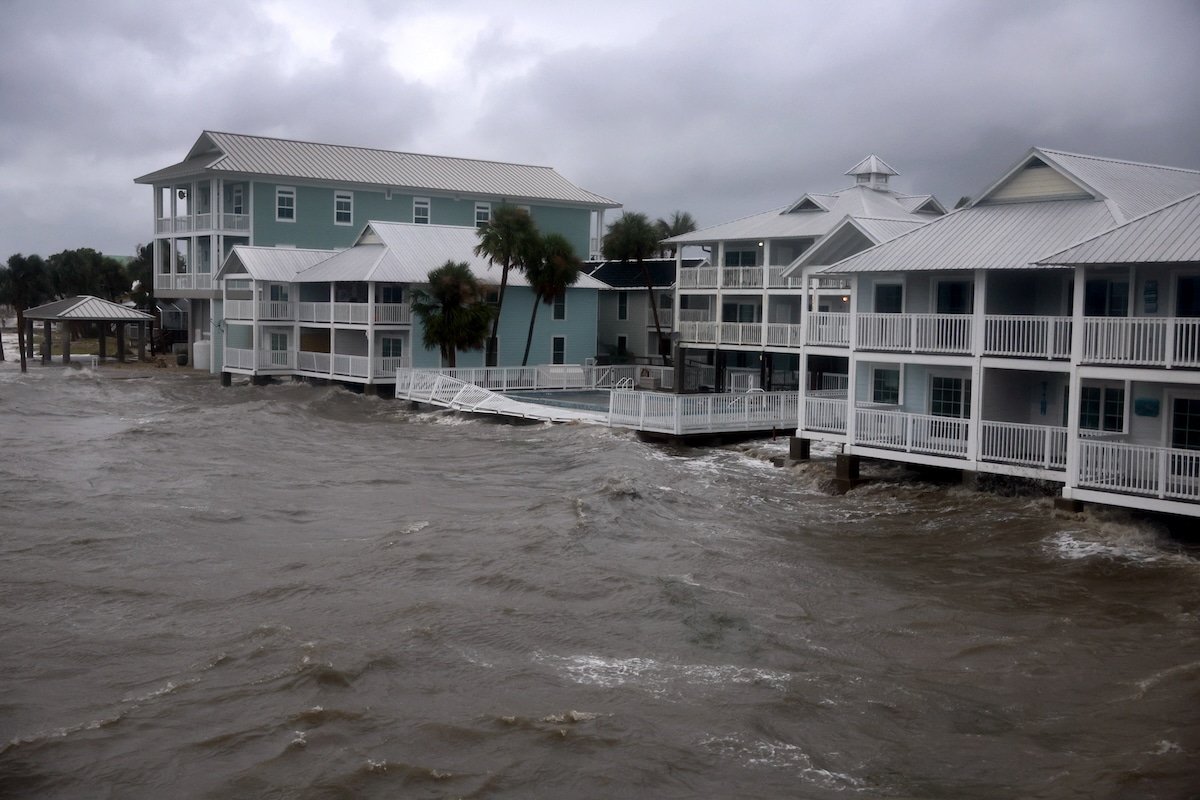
<point>1032,180</point>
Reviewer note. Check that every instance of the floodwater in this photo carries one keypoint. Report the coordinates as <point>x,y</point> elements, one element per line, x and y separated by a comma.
<point>292,591</point>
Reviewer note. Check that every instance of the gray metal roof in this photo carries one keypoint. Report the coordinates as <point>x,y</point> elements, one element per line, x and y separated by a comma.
<point>286,159</point>
<point>871,165</point>
<point>1135,188</point>
<point>1008,236</point>
<point>86,307</point>
<point>1168,235</point>
<point>403,252</point>
<point>793,222</point>
<point>281,264</point>
<point>1014,234</point>
<point>851,235</point>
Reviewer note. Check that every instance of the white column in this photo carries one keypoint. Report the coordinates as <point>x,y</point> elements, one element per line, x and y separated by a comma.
<point>1074,385</point>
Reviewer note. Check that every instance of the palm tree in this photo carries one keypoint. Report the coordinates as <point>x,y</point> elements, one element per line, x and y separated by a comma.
<point>24,285</point>
<point>681,223</point>
<point>633,237</point>
<point>550,272</point>
<point>452,312</point>
<point>506,240</point>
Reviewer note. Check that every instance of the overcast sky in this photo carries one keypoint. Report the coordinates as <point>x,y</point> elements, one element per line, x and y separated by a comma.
<point>717,108</point>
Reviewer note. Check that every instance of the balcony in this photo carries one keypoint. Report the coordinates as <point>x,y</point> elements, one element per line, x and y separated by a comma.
<point>698,278</point>
<point>830,328</point>
<point>915,333</point>
<point>260,360</point>
<point>1142,341</point>
<point>202,223</point>
<point>183,282</point>
<point>1156,472</point>
<point>339,313</point>
<point>262,310</point>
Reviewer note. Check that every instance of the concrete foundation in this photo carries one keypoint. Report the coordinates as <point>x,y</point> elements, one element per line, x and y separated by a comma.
<point>846,475</point>
<point>799,449</point>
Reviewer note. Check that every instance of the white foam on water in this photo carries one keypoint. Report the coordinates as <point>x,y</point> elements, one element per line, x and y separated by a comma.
<point>1115,543</point>
<point>778,755</point>
<point>660,678</point>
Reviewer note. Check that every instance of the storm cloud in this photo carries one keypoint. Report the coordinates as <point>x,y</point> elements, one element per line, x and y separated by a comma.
<point>720,109</point>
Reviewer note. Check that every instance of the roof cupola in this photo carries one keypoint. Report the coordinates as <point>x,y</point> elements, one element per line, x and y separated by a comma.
<point>872,171</point>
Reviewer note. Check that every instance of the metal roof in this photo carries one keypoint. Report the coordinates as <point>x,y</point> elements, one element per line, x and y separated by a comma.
<point>86,307</point>
<point>404,252</point>
<point>849,235</point>
<point>287,159</point>
<point>871,165</point>
<point>1008,236</point>
<point>627,275</point>
<point>793,222</point>
<point>280,264</point>
<point>1170,234</point>
<point>1135,188</point>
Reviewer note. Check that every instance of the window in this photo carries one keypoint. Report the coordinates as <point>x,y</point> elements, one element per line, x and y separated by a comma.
<point>421,210</point>
<point>622,345</point>
<point>950,397</point>
<point>1185,423</point>
<point>279,342</point>
<point>279,293</point>
<point>558,350</point>
<point>285,204</point>
<point>622,305</point>
<point>343,208</point>
<point>392,347</point>
<point>1187,296</point>
<point>741,258</point>
<point>1102,408</point>
<point>391,294</point>
<point>954,297</point>
<point>560,306</point>
<point>237,200</point>
<point>885,386</point>
<point>1105,298</point>
<point>889,298</point>
<point>483,214</point>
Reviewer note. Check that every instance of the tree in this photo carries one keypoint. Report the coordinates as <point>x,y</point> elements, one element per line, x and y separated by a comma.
<point>506,240</point>
<point>452,311</point>
<point>681,222</point>
<point>632,236</point>
<point>24,285</point>
<point>550,271</point>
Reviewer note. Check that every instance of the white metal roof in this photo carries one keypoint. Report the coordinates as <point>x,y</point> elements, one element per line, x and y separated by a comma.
<point>848,235</point>
<point>1170,234</point>
<point>404,252</point>
<point>280,264</point>
<point>1009,236</point>
<point>871,165</point>
<point>295,160</point>
<point>792,222</point>
<point>1134,187</point>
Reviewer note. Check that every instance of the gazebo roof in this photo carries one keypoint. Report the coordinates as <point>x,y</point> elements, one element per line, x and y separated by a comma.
<point>85,307</point>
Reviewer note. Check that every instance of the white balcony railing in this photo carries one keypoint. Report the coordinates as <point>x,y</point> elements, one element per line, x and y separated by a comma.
<point>919,333</point>
<point>237,358</point>
<point>829,328</point>
<point>276,310</point>
<point>355,313</point>
<point>776,280</point>
<point>202,222</point>
<point>825,413</point>
<point>741,333</point>
<point>1146,471</point>
<point>1142,341</point>
<point>698,278</point>
<point>682,414</point>
<point>784,335</point>
<point>742,277</point>
<point>1042,446</point>
<point>699,332</point>
<point>915,433</point>
<point>183,282</point>
<point>1025,336</point>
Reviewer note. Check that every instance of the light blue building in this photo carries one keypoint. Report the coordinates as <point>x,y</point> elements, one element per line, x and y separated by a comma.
<point>234,189</point>
<point>346,315</point>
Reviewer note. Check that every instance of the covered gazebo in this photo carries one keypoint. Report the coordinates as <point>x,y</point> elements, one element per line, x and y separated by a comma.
<point>85,308</point>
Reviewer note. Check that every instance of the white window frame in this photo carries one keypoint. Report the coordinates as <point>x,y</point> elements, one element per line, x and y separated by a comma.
<point>559,307</point>
<point>282,192</point>
<point>237,199</point>
<point>622,305</point>
<point>420,203</point>
<point>348,197</point>
<point>486,217</point>
<point>553,355</point>
<point>387,343</point>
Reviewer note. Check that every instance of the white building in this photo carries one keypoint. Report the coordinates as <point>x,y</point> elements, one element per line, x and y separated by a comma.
<point>1050,329</point>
